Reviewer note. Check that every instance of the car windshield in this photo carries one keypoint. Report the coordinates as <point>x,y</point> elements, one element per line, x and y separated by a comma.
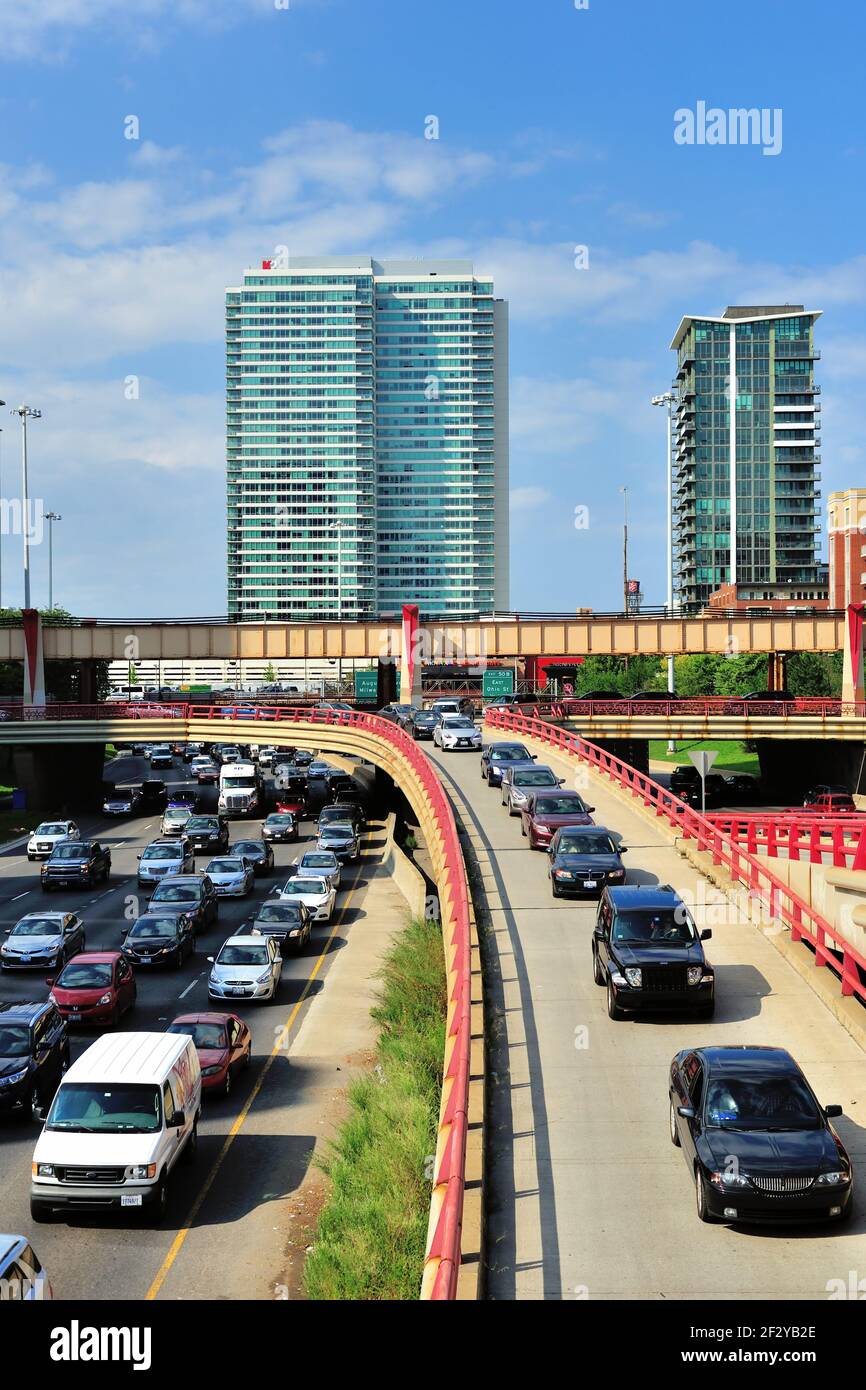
<point>509,755</point>
<point>559,806</point>
<point>196,823</point>
<point>176,893</point>
<point>151,928</point>
<point>650,928</point>
<point>277,912</point>
<point>14,1040</point>
<point>338,829</point>
<point>202,1034</point>
<point>304,887</point>
<point>76,851</point>
<point>534,777</point>
<point>225,866</point>
<point>318,861</point>
<point>586,844</point>
<point>279,820</point>
<point>162,852</point>
<point>106,1108</point>
<point>122,794</point>
<point>50,827</point>
<point>177,813</point>
<point>243,955</point>
<point>248,847</point>
<point>234,783</point>
<point>37,926</point>
<point>86,974</point>
<point>770,1103</point>
<point>452,721</point>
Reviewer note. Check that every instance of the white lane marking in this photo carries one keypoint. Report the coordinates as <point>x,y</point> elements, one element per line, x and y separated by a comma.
<point>191,985</point>
<point>19,895</point>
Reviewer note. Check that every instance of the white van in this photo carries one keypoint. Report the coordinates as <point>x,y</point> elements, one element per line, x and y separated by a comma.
<point>120,1120</point>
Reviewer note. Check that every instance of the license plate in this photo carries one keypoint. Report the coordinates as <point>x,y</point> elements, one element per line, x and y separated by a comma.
<point>75,1018</point>
<point>25,960</point>
<point>236,991</point>
<point>590,883</point>
<point>127,1200</point>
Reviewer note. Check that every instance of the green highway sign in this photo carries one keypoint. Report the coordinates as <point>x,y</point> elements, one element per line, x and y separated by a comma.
<point>367,686</point>
<point>498,682</point>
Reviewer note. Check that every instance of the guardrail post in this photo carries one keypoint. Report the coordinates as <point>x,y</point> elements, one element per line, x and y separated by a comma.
<point>860,851</point>
<point>838,847</point>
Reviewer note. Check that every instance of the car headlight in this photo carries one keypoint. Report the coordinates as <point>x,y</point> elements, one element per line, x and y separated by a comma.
<point>695,974</point>
<point>728,1180</point>
<point>13,1078</point>
<point>295,931</point>
<point>106,999</point>
<point>142,1170</point>
<point>263,979</point>
<point>617,873</point>
<point>835,1179</point>
<point>43,1170</point>
<point>563,873</point>
<point>52,998</point>
<point>211,1071</point>
<point>634,976</point>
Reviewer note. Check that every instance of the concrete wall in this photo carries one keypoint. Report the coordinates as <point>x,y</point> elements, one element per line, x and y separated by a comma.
<point>839,895</point>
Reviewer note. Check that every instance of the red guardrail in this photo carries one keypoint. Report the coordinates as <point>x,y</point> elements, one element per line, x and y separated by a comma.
<point>830,947</point>
<point>704,707</point>
<point>804,835</point>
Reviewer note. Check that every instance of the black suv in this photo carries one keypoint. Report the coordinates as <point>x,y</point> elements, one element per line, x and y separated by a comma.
<point>647,952</point>
<point>34,1054</point>
<point>153,794</point>
<point>76,861</point>
<point>207,834</point>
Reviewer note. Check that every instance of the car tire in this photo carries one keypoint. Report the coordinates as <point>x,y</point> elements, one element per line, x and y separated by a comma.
<point>554,888</point>
<point>248,1058</point>
<point>613,1009</point>
<point>675,1138</point>
<point>227,1084</point>
<point>523,832</point>
<point>159,1206</point>
<point>190,1152</point>
<point>701,1199</point>
<point>597,970</point>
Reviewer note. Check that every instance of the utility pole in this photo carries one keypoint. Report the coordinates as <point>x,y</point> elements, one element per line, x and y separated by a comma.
<point>51,517</point>
<point>24,413</point>
<point>624,491</point>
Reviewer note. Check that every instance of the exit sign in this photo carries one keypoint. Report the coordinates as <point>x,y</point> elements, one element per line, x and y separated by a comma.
<point>499,682</point>
<point>367,687</point>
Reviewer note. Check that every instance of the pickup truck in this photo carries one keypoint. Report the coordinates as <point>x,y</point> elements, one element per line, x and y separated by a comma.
<point>76,861</point>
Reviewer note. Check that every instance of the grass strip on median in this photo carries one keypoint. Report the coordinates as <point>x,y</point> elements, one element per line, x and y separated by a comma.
<point>371,1234</point>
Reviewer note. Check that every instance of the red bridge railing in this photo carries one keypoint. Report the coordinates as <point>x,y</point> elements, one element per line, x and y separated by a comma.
<point>704,707</point>
<point>830,947</point>
<point>799,836</point>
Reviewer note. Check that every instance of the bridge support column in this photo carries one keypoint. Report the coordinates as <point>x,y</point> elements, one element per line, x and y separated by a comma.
<point>776,676</point>
<point>87,682</point>
<point>852,660</point>
<point>410,657</point>
<point>59,776</point>
<point>34,666</point>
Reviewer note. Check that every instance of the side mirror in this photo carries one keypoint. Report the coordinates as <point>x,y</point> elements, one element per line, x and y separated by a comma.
<point>7,931</point>
<point>560,781</point>
<point>70,928</point>
<point>706,934</point>
<point>210,959</point>
<point>138,856</point>
<point>49,980</point>
<point>549,849</point>
<point>175,1120</point>
<point>589,809</point>
<point>832,1111</point>
<point>597,932</point>
<point>685,1112</point>
<point>623,849</point>
<point>123,931</point>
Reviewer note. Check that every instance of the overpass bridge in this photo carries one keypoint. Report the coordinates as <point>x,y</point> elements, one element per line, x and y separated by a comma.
<point>504,637</point>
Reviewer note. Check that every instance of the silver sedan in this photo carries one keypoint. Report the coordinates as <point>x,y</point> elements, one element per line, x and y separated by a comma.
<point>232,877</point>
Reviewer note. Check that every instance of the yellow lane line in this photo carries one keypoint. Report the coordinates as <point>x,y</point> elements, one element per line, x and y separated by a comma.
<point>183,1232</point>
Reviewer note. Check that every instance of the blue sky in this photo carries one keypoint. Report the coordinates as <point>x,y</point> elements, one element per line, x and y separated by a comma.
<point>263,126</point>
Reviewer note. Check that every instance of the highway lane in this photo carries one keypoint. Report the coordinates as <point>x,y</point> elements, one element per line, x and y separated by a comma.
<point>91,1257</point>
<point>587,1197</point>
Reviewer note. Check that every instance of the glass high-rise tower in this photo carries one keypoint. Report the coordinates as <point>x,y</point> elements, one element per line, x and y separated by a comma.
<point>745,498</point>
<point>367,440</point>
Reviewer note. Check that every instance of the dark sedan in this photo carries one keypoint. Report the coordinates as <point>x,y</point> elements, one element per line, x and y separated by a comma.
<point>289,923</point>
<point>757,1142</point>
<point>545,811</point>
<point>422,724</point>
<point>193,894</point>
<point>583,860</point>
<point>122,801</point>
<point>280,827</point>
<point>498,755</point>
<point>255,852</point>
<point>647,953</point>
<point>159,939</point>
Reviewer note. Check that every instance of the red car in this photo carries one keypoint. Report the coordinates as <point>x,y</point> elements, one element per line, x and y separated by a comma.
<point>294,802</point>
<point>95,987</point>
<point>223,1043</point>
<point>547,810</point>
<point>831,802</point>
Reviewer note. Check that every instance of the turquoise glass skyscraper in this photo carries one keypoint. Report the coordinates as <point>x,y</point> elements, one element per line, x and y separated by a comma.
<point>367,440</point>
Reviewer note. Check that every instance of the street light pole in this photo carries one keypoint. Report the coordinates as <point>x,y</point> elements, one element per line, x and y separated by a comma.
<point>24,413</point>
<point>624,491</point>
<point>51,517</point>
<point>667,398</point>
<point>2,403</point>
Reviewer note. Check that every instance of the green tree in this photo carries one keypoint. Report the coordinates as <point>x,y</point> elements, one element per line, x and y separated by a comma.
<point>625,674</point>
<point>269,673</point>
<point>814,673</point>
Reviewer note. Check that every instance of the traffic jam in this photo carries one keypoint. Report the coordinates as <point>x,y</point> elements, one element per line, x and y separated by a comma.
<point>148,955</point>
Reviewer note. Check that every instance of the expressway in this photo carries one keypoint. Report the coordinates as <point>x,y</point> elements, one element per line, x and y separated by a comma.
<point>587,1198</point>
<point>230,1216</point>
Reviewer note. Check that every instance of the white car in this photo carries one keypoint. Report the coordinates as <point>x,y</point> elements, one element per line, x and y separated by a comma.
<point>232,877</point>
<point>247,967</point>
<point>320,863</point>
<point>49,834</point>
<point>456,731</point>
<point>175,819</point>
<point>41,940</point>
<point>317,894</point>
